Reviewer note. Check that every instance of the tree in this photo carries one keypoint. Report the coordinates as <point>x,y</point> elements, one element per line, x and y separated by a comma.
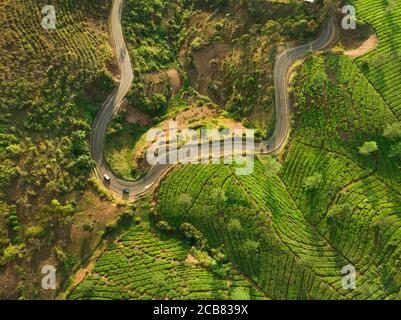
<point>34,232</point>
<point>165,226</point>
<point>272,166</point>
<point>196,44</point>
<point>339,212</point>
<point>391,5</point>
<point>251,248</point>
<point>271,27</point>
<point>88,226</point>
<point>393,131</point>
<point>312,183</point>
<point>368,148</point>
<point>219,199</point>
<point>12,219</point>
<point>396,151</point>
<point>11,252</point>
<point>14,150</point>
<point>299,28</point>
<point>56,211</point>
<point>193,234</point>
<point>79,143</point>
<point>275,37</point>
<point>158,103</point>
<point>234,226</point>
<point>312,25</point>
<point>319,79</point>
<point>82,166</point>
<point>184,201</point>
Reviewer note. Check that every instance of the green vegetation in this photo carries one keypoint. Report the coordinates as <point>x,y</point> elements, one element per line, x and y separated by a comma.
<point>331,198</point>
<point>153,30</point>
<point>148,264</point>
<point>382,65</point>
<point>368,148</point>
<point>346,115</point>
<point>121,139</point>
<point>229,53</point>
<point>312,183</point>
<point>51,85</point>
<point>292,229</point>
<point>224,53</point>
<point>187,34</point>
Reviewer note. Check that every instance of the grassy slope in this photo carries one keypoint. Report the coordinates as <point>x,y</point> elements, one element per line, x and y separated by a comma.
<point>121,139</point>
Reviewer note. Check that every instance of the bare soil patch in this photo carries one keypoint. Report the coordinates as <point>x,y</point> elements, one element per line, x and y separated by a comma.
<point>203,57</point>
<point>356,42</point>
<point>199,18</point>
<point>364,48</point>
<point>136,116</point>
<point>113,68</point>
<point>191,259</point>
<point>259,117</point>
<point>200,117</point>
<point>159,80</point>
<point>175,80</point>
<point>202,60</point>
<point>9,281</point>
<point>98,214</point>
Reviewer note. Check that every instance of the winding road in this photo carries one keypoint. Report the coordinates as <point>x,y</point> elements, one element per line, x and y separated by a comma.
<point>146,184</point>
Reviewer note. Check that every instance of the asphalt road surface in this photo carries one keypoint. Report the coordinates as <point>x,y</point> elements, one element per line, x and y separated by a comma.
<point>146,184</point>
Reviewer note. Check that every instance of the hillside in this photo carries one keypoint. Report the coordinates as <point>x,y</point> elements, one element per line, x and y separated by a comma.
<point>291,227</point>
<point>52,83</point>
<point>382,65</point>
<point>190,55</point>
<point>144,264</point>
<point>324,198</point>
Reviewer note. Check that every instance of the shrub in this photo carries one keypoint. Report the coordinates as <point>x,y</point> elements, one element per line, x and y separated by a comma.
<point>165,226</point>
<point>273,167</point>
<point>393,131</point>
<point>240,294</point>
<point>88,227</point>
<point>368,148</point>
<point>250,247</point>
<point>313,183</point>
<point>234,226</point>
<point>34,232</point>
<point>193,234</point>
<point>396,151</point>
<point>10,253</point>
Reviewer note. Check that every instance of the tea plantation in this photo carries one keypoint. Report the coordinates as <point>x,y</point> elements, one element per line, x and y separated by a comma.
<point>382,65</point>
<point>146,264</point>
<point>292,230</point>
